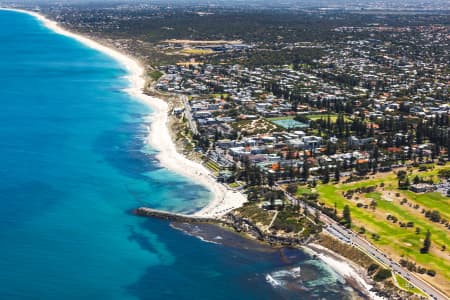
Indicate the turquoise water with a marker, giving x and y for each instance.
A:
(74, 165)
(290, 124)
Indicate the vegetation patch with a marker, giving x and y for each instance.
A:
(346, 251)
(213, 166)
(253, 212)
(289, 221)
(405, 285)
(155, 75)
(382, 275)
(399, 226)
(252, 127)
(192, 51)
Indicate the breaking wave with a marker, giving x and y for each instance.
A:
(283, 278)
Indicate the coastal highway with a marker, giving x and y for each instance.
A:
(355, 240)
(349, 237)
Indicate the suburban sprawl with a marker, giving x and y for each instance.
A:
(335, 123)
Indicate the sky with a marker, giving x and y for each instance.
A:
(352, 4)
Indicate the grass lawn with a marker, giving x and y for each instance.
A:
(333, 117)
(432, 201)
(224, 95)
(389, 182)
(395, 240)
(155, 75)
(405, 285)
(439, 234)
(303, 190)
(234, 185)
(213, 166)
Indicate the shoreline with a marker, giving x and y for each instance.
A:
(223, 199)
(344, 267)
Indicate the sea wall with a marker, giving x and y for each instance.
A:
(176, 217)
(239, 224)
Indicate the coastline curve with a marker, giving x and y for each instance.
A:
(223, 199)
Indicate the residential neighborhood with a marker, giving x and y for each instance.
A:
(330, 123)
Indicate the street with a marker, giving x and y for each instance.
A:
(347, 236)
(188, 115)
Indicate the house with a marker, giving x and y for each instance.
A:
(202, 114)
(422, 188)
(225, 176)
(356, 142)
(311, 142)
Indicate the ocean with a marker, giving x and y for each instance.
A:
(74, 164)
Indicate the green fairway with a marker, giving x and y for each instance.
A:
(396, 240)
(432, 201)
(303, 190)
(439, 234)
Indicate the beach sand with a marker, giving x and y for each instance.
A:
(223, 199)
(351, 272)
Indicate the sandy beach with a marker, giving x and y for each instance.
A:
(223, 199)
(344, 267)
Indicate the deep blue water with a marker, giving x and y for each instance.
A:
(73, 166)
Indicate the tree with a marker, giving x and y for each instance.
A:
(270, 180)
(305, 170)
(346, 216)
(435, 216)
(337, 174)
(403, 184)
(317, 216)
(291, 188)
(401, 174)
(326, 176)
(426, 242)
(373, 204)
(382, 275)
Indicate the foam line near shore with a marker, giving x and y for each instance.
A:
(343, 267)
(159, 137)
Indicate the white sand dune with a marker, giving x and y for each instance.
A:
(224, 199)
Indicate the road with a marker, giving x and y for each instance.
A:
(273, 219)
(347, 236)
(188, 115)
